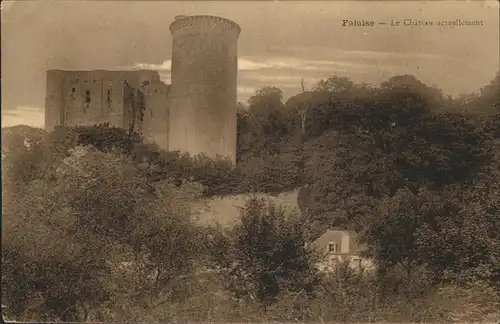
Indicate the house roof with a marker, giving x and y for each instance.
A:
(335, 235)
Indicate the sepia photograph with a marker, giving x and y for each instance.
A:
(250, 161)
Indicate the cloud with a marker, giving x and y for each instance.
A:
(253, 64)
(243, 64)
(248, 65)
(24, 115)
(165, 66)
(377, 54)
(165, 76)
(242, 90)
(336, 54)
(287, 71)
(309, 65)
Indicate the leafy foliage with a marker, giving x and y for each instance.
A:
(21, 150)
(110, 214)
(266, 254)
(414, 172)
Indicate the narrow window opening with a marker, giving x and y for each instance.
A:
(108, 97)
(332, 247)
(87, 101)
(87, 96)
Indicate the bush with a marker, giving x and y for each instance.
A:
(66, 238)
(266, 255)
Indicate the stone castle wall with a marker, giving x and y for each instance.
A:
(156, 115)
(88, 98)
(204, 77)
(82, 98)
(196, 114)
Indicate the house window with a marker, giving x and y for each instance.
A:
(332, 247)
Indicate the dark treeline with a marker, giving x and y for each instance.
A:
(97, 221)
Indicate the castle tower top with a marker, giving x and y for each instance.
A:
(204, 22)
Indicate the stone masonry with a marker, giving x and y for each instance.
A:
(195, 114)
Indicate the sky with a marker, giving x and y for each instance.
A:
(280, 43)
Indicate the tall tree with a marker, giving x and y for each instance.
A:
(266, 254)
(264, 128)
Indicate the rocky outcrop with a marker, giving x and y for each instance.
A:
(224, 211)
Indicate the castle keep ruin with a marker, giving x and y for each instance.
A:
(195, 114)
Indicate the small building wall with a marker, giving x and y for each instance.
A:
(348, 250)
(345, 240)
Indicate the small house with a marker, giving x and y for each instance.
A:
(337, 246)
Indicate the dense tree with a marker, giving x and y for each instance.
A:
(398, 164)
(263, 128)
(490, 95)
(266, 254)
(64, 243)
(335, 84)
(397, 171)
(21, 156)
(306, 111)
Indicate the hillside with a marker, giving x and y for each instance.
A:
(225, 211)
(15, 135)
(418, 183)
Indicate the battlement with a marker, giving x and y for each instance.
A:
(204, 23)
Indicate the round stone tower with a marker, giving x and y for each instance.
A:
(202, 114)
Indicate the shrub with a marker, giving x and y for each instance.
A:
(266, 254)
(66, 238)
